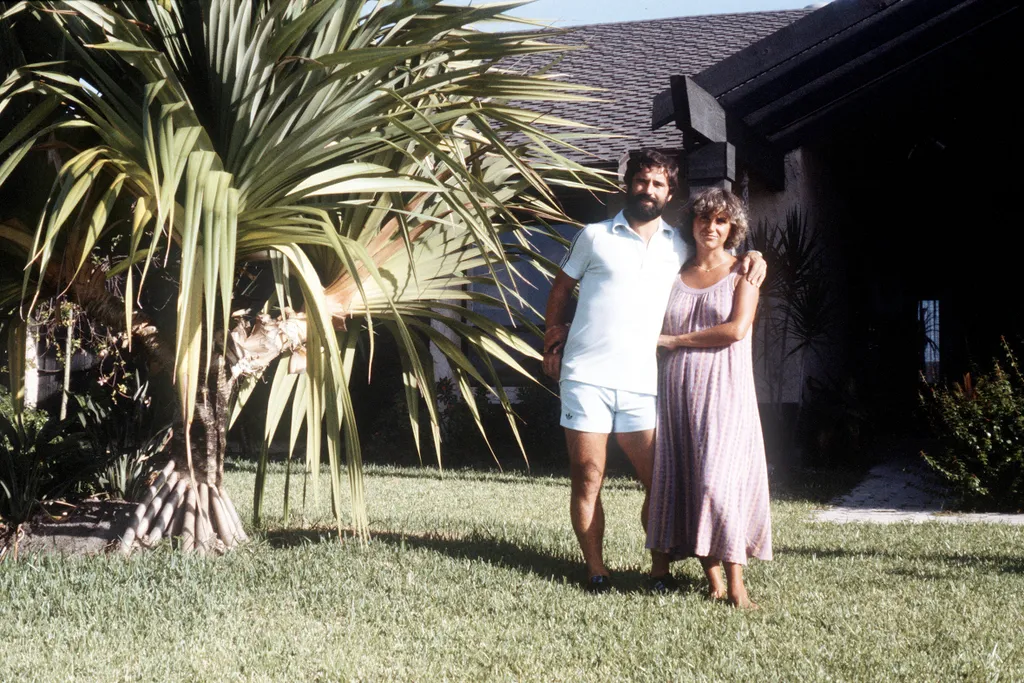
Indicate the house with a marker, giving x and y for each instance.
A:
(889, 122)
(891, 125)
(631, 63)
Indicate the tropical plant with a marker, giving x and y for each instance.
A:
(979, 424)
(302, 174)
(25, 435)
(793, 322)
(794, 316)
(123, 438)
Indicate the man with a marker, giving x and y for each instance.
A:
(606, 362)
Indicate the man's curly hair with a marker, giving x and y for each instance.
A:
(649, 160)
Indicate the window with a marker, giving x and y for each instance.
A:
(928, 323)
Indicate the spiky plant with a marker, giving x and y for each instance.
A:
(795, 316)
(362, 159)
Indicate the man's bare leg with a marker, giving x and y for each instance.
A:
(587, 457)
(639, 448)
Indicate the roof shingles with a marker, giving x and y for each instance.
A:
(632, 61)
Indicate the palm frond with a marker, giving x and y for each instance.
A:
(380, 158)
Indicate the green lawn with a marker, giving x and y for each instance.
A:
(473, 577)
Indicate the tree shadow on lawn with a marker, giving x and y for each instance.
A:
(615, 479)
(499, 553)
(997, 564)
(555, 477)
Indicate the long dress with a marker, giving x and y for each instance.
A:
(710, 487)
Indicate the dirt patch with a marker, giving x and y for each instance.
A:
(89, 528)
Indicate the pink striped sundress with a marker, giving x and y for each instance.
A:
(710, 487)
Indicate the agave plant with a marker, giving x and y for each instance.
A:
(308, 174)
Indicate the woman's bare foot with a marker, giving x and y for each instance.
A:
(716, 587)
(716, 584)
(743, 602)
(737, 589)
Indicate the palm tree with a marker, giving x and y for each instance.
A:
(308, 175)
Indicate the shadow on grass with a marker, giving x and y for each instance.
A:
(549, 476)
(559, 478)
(495, 552)
(997, 564)
(295, 538)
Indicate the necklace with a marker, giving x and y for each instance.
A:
(708, 270)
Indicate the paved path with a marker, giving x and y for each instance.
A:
(902, 490)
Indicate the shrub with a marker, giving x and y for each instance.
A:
(27, 441)
(122, 436)
(980, 427)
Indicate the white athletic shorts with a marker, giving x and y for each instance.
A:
(589, 408)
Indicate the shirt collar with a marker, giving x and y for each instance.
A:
(620, 222)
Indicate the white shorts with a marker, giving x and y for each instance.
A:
(589, 408)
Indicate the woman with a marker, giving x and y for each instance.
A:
(710, 490)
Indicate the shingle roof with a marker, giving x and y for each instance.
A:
(633, 61)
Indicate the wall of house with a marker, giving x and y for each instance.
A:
(783, 369)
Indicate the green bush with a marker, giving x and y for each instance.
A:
(27, 440)
(536, 409)
(980, 427)
(122, 436)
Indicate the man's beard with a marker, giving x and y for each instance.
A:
(643, 207)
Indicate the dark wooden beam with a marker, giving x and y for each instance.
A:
(696, 187)
(711, 162)
(938, 77)
(697, 113)
(892, 25)
(703, 120)
(663, 110)
(842, 85)
(788, 42)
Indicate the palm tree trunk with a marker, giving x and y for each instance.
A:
(187, 501)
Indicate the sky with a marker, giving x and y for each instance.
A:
(574, 12)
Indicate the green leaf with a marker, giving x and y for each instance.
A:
(379, 156)
(372, 186)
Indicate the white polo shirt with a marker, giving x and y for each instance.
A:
(624, 288)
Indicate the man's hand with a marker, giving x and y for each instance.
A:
(668, 341)
(754, 267)
(554, 343)
(553, 364)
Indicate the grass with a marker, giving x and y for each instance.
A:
(474, 577)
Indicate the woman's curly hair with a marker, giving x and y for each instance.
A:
(714, 201)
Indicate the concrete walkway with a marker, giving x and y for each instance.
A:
(902, 490)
